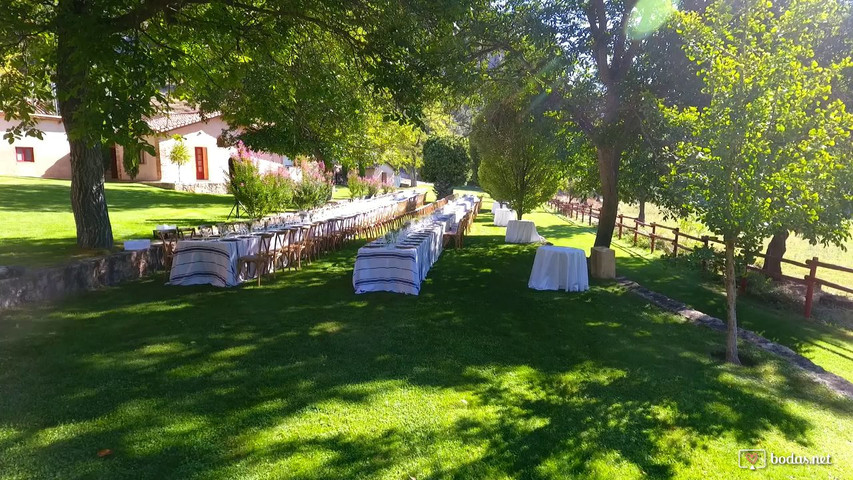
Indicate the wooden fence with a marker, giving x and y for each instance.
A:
(626, 225)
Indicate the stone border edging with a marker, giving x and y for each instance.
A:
(830, 380)
(55, 283)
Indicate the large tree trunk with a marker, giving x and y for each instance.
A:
(608, 169)
(642, 215)
(731, 302)
(414, 172)
(775, 251)
(87, 165)
(87, 197)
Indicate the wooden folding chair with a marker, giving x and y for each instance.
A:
(261, 260)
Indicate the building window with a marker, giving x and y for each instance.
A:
(24, 154)
(142, 157)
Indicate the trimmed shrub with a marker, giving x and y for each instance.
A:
(446, 164)
(315, 189)
(260, 194)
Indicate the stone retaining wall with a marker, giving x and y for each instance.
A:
(54, 283)
(200, 187)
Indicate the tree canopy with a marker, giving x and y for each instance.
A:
(446, 163)
(772, 146)
(296, 71)
(519, 159)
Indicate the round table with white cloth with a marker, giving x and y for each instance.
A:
(521, 231)
(503, 216)
(559, 268)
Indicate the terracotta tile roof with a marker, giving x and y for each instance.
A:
(45, 108)
(173, 120)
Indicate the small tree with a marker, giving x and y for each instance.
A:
(446, 164)
(179, 155)
(773, 140)
(518, 154)
(356, 185)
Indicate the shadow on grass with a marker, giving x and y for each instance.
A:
(303, 374)
(827, 345)
(783, 325)
(40, 252)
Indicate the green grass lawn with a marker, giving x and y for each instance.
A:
(38, 226)
(477, 378)
(828, 345)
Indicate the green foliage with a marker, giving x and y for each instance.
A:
(703, 259)
(130, 159)
(179, 155)
(518, 151)
(260, 194)
(475, 164)
(356, 185)
(771, 148)
(332, 87)
(578, 164)
(446, 164)
(316, 187)
(280, 190)
(372, 185)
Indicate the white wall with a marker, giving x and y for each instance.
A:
(53, 159)
(376, 171)
(204, 134)
(52, 155)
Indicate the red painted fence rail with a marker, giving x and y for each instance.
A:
(631, 226)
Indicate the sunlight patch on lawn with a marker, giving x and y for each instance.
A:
(325, 328)
(234, 352)
(389, 428)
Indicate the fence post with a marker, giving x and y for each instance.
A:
(675, 242)
(652, 236)
(636, 229)
(705, 241)
(810, 283)
(590, 215)
(620, 226)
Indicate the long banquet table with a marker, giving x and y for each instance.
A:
(402, 266)
(214, 261)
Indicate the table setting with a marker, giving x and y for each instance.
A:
(522, 231)
(213, 259)
(559, 268)
(399, 261)
(503, 214)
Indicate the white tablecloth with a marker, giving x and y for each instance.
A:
(559, 268)
(213, 262)
(521, 231)
(401, 268)
(137, 244)
(398, 268)
(503, 216)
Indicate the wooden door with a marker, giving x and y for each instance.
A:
(113, 163)
(200, 163)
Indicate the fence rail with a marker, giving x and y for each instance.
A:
(585, 212)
